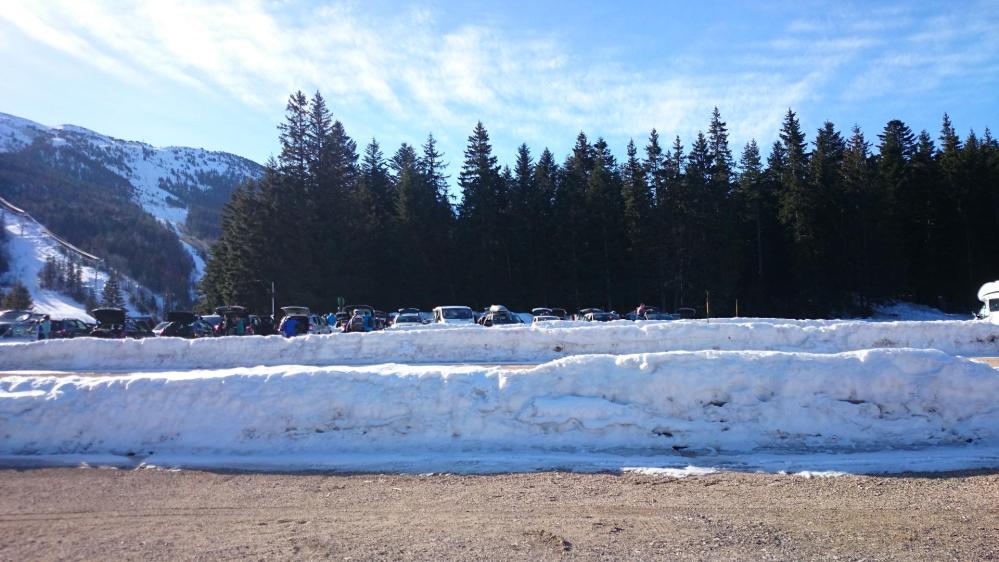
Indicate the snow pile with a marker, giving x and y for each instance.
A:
(508, 344)
(694, 402)
(915, 312)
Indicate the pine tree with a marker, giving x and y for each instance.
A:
(820, 262)
(19, 298)
(749, 201)
(546, 182)
(295, 142)
(479, 216)
(895, 198)
(637, 201)
(603, 238)
(48, 275)
(111, 296)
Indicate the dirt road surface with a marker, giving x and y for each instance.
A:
(102, 514)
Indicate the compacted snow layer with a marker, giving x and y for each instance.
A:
(648, 405)
(514, 344)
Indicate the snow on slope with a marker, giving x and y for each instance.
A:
(517, 344)
(150, 170)
(701, 403)
(29, 245)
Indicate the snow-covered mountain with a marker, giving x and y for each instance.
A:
(167, 182)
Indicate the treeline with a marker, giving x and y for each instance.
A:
(66, 276)
(76, 197)
(814, 228)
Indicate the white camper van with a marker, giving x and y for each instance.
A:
(989, 295)
(459, 315)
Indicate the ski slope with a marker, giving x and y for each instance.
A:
(30, 245)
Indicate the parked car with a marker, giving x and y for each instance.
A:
(541, 311)
(499, 315)
(546, 318)
(144, 322)
(581, 315)
(600, 316)
(261, 325)
(458, 315)
(69, 328)
(179, 324)
(560, 313)
(988, 294)
(212, 321)
(656, 315)
(407, 320)
(305, 320)
(112, 323)
(686, 313)
(19, 324)
(318, 325)
(381, 319)
(341, 319)
(232, 318)
(362, 319)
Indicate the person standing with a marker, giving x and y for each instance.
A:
(46, 327)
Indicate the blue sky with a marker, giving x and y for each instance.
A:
(218, 75)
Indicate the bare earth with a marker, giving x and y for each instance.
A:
(102, 514)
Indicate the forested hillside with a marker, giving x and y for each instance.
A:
(816, 225)
(92, 208)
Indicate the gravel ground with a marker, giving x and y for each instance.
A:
(149, 514)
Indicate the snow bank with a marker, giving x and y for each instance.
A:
(652, 404)
(912, 311)
(507, 344)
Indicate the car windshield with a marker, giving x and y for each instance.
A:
(994, 305)
(11, 314)
(457, 314)
(408, 318)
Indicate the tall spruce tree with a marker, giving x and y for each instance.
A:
(111, 296)
(479, 217)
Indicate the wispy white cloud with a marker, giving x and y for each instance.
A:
(416, 70)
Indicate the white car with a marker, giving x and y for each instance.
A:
(456, 315)
(406, 320)
(546, 318)
(989, 295)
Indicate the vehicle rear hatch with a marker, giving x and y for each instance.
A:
(181, 317)
(107, 316)
(296, 310)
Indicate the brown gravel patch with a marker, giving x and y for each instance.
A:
(157, 514)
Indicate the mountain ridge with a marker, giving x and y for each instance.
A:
(184, 188)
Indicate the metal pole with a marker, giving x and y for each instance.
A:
(272, 301)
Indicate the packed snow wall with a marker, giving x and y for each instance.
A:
(476, 344)
(664, 402)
